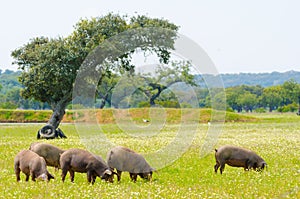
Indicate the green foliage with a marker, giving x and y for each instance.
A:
(272, 97)
(143, 104)
(290, 91)
(260, 110)
(9, 80)
(169, 104)
(243, 97)
(248, 101)
(10, 97)
(8, 105)
(288, 108)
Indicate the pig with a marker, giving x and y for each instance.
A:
(49, 152)
(124, 159)
(238, 157)
(31, 164)
(82, 161)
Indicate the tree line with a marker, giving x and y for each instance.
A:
(283, 98)
(149, 92)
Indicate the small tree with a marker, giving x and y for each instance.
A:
(164, 77)
(272, 97)
(248, 101)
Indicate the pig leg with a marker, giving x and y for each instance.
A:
(94, 179)
(133, 176)
(64, 173)
(27, 177)
(72, 174)
(89, 175)
(119, 175)
(222, 167)
(150, 177)
(217, 165)
(32, 176)
(17, 172)
(248, 165)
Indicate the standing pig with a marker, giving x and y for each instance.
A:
(32, 164)
(50, 153)
(237, 157)
(82, 161)
(124, 159)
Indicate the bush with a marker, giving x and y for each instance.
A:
(288, 108)
(260, 110)
(185, 105)
(168, 104)
(143, 104)
(75, 106)
(8, 105)
(229, 109)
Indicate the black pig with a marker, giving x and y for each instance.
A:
(238, 157)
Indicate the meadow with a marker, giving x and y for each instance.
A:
(275, 137)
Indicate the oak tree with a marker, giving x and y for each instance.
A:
(50, 65)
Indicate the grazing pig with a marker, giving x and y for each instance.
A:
(237, 157)
(32, 164)
(124, 159)
(82, 161)
(50, 153)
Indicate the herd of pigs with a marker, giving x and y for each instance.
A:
(34, 162)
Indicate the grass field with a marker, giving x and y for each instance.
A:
(276, 138)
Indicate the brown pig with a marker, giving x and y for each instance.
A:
(124, 159)
(82, 161)
(31, 164)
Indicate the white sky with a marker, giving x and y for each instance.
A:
(239, 36)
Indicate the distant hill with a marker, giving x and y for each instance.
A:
(252, 79)
(9, 80)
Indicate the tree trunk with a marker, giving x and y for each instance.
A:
(104, 100)
(153, 97)
(58, 113)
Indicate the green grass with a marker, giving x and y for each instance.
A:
(190, 176)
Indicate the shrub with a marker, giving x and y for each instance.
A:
(288, 108)
(8, 105)
(260, 110)
(143, 104)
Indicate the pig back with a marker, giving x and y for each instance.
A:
(124, 159)
(50, 152)
(235, 155)
(29, 160)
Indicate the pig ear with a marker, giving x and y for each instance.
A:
(108, 172)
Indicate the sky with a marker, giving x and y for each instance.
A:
(239, 36)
